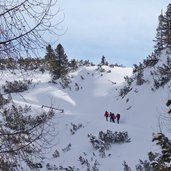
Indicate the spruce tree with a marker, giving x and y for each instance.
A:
(51, 61)
(62, 63)
(57, 62)
(168, 26)
(160, 35)
(163, 35)
(49, 53)
(103, 61)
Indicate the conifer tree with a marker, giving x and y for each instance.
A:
(103, 61)
(167, 26)
(51, 62)
(57, 61)
(61, 63)
(49, 53)
(160, 35)
(163, 35)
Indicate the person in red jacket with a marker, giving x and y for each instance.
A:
(106, 114)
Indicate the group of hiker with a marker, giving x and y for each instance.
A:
(112, 116)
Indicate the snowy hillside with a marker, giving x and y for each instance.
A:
(90, 93)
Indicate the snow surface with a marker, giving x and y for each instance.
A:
(140, 111)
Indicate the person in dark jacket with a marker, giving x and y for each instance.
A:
(112, 117)
(118, 117)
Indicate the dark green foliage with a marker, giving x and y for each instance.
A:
(144, 166)
(67, 148)
(64, 83)
(161, 162)
(75, 128)
(116, 137)
(57, 62)
(104, 141)
(86, 163)
(30, 63)
(163, 74)
(50, 54)
(139, 78)
(56, 154)
(99, 145)
(126, 167)
(151, 60)
(163, 36)
(73, 64)
(17, 86)
(167, 26)
(61, 62)
(103, 61)
(129, 80)
(141, 166)
(22, 63)
(19, 133)
(160, 35)
(124, 91)
(3, 101)
(101, 69)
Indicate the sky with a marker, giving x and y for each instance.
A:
(121, 30)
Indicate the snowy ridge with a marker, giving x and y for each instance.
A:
(140, 111)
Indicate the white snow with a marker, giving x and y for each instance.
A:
(140, 111)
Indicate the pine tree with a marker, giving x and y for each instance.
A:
(167, 26)
(103, 61)
(163, 35)
(50, 55)
(161, 162)
(51, 61)
(160, 35)
(49, 52)
(61, 62)
(57, 61)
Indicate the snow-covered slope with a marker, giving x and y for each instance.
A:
(140, 111)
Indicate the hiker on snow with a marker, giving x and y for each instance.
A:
(106, 114)
(118, 117)
(112, 117)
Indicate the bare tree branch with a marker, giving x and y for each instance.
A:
(23, 25)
